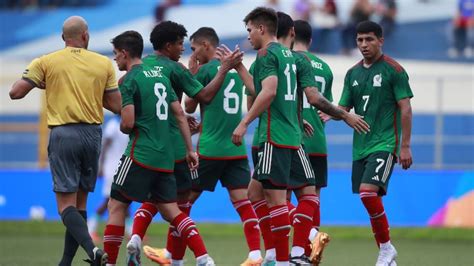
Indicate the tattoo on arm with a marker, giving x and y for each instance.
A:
(329, 108)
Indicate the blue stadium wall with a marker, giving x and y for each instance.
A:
(414, 197)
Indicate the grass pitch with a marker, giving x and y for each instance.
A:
(40, 243)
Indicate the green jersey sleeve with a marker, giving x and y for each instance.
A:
(127, 88)
(183, 79)
(203, 75)
(401, 87)
(346, 97)
(304, 73)
(267, 66)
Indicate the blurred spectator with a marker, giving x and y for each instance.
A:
(302, 10)
(387, 10)
(34, 4)
(162, 7)
(463, 30)
(325, 20)
(360, 11)
(273, 4)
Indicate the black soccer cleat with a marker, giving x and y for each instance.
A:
(300, 261)
(100, 258)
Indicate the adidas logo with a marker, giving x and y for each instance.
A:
(192, 233)
(376, 178)
(296, 220)
(355, 83)
(140, 214)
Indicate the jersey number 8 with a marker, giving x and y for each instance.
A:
(161, 104)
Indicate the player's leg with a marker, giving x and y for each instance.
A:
(374, 181)
(164, 193)
(67, 164)
(302, 180)
(236, 178)
(318, 240)
(273, 172)
(130, 182)
(185, 181)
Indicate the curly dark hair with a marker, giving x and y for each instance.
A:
(167, 32)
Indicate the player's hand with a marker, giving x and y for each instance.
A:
(238, 134)
(229, 60)
(357, 123)
(323, 116)
(308, 128)
(193, 64)
(193, 160)
(192, 122)
(405, 159)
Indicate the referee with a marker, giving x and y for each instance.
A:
(78, 84)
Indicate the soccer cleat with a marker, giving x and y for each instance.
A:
(299, 261)
(393, 263)
(208, 262)
(157, 255)
(387, 255)
(318, 244)
(100, 258)
(250, 262)
(267, 262)
(133, 253)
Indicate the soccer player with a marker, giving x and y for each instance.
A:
(315, 145)
(167, 39)
(78, 84)
(377, 88)
(274, 83)
(113, 146)
(219, 159)
(145, 170)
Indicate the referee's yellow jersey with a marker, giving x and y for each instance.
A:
(76, 80)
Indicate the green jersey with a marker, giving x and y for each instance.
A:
(221, 116)
(374, 93)
(316, 145)
(278, 124)
(149, 91)
(181, 81)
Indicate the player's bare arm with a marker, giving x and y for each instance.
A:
(190, 105)
(112, 101)
(406, 159)
(241, 69)
(316, 99)
(261, 103)
(191, 156)
(21, 88)
(127, 121)
(228, 62)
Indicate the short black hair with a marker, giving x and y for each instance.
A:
(130, 41)
(206, 33)
(265, 16)
(167, 32)
(285, 23)
(368, 27)
(303, 32)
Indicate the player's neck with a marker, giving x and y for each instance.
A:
(300, 47)
(133, 62)
(75, 44)
(267, 39)
(162, 53)
(368, 62)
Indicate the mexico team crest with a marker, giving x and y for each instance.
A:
(377, 80)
